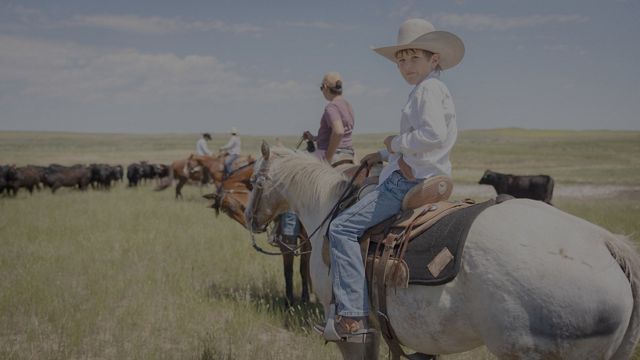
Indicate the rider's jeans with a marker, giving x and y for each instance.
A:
(228, 161)
(347, 268)
(289, 224)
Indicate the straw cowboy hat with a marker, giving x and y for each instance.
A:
(234, 131)
(420, 34)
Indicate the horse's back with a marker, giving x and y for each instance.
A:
(534, 280)
(547, 278)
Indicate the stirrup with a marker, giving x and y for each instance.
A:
(330, 333)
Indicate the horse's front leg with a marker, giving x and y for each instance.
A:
(304, 270)
(179, 186)
(287, 262)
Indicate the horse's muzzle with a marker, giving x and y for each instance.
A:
(255, 228)
(252, 222)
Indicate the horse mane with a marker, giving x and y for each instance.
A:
(303, 174)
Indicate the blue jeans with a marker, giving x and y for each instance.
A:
(289, 224)
(347, 268)
(228, 161)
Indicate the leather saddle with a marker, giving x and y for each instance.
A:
(422, 207)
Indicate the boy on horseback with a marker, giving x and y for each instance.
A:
(428, 131)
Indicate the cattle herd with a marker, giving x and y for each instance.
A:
(55, 176)
(103, 176)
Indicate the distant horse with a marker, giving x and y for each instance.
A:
(534, 283)
(186, 170)
(232, 196)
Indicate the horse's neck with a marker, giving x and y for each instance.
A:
(311, 210)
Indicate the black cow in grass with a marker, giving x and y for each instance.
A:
(102, 175)
(6, 171)
(134, 174)
(537, 187)
(57, 176)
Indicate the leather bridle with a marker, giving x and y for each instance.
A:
(258, 181)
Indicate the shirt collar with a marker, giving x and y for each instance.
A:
(435, 74)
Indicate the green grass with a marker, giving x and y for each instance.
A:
(134, 274)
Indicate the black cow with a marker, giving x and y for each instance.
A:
(537, 187)
(6, 172)
(134, 174)
(102, 175)
(57, 176)
(13, 178)
(148, 171)
(119, 172)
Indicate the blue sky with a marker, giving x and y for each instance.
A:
(190, 66)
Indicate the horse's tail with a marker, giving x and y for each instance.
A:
(626, 254)
(165, 182)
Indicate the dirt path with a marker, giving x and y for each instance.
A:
(567, 191)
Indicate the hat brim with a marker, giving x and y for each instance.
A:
(448, 45)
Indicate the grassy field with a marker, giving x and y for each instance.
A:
(134, 274)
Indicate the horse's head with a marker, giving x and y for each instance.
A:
(266, 201)
(232, 199)
(233, 204)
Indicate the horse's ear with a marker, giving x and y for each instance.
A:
(265, 150)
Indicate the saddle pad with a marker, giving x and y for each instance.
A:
(435, 255)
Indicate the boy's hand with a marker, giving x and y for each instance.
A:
(387, 143)
(405, 169)
(371, 159)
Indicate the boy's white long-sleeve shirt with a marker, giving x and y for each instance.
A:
(428, 131)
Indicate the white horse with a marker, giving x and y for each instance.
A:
(535, 282)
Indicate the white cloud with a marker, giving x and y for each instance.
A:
(81, 74)
(158, 25)
(404, 9)
(317, 25)
(310, 24)
(357, 89)
(563, 48)
(479, 22)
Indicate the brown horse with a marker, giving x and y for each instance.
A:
(189, 169)
(232, 197)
